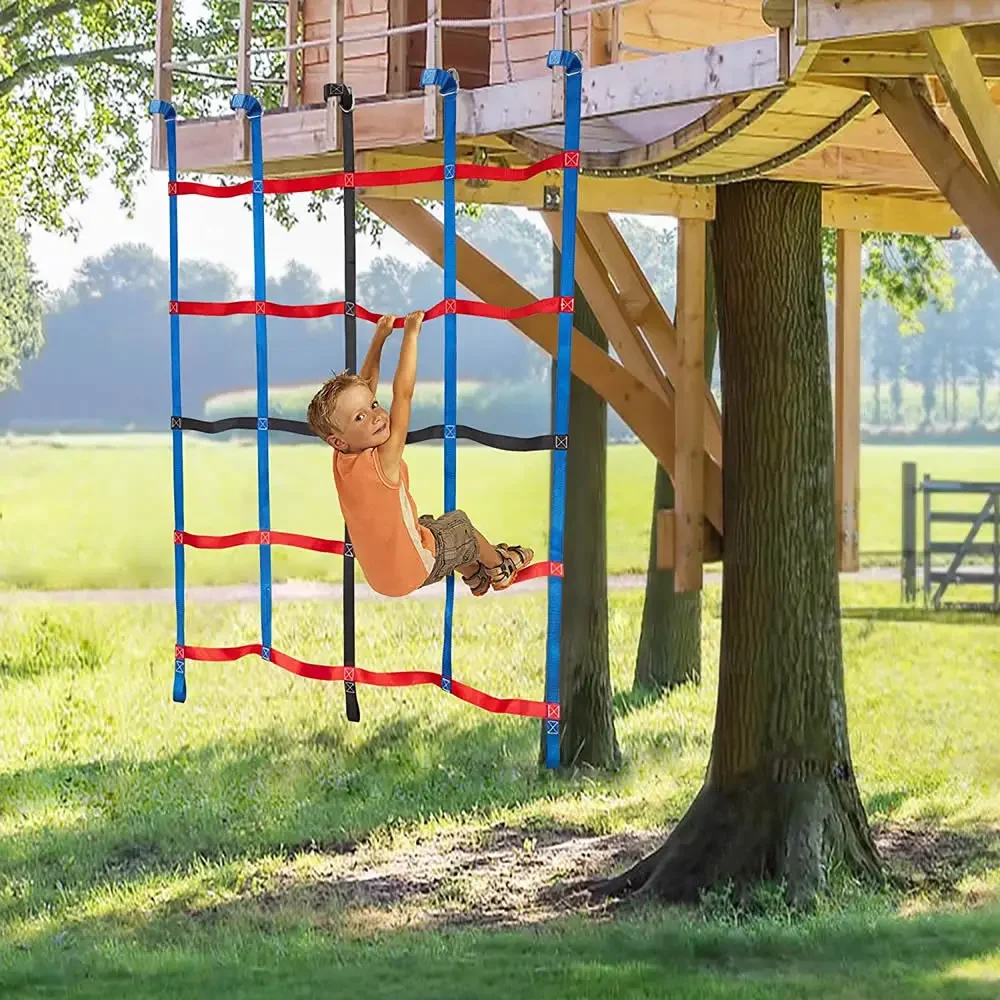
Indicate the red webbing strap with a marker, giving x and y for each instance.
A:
(378, 678)
(464, 307)
(289, 538)
(371, 179)
(538, 569)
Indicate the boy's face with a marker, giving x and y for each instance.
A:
(361, 421)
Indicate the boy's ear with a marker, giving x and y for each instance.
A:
(335, 442)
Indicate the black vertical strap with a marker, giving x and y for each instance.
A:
(346, 101)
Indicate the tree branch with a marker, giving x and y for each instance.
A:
(37, 66)
(12, 13)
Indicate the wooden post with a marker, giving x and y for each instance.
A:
(848, 397)
(291, 97)
(334, 71)
(241, 138)
(689, 546)
(396, 70)
(909, 532)
(432, 61)
(616, 34)
(163, 79)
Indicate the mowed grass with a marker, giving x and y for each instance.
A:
(99, 514)
(155, 850)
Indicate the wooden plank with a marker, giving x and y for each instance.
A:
(843, 210)
(665, 539)
(644, 309)
(658, 81)
(833, 164)
(890, 64)
(829, 20)
(293, 93)
(624, 335)
(943, 159)
(398, 49)
(689, 496)
(650, 417)
(848, 398)
(963, 82)
(984, 40)
(163, 79)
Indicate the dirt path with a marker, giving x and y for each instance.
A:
(305, 590)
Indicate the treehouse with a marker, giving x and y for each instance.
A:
(889, 105)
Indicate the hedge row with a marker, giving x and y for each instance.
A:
(934, 434)
(518, 408)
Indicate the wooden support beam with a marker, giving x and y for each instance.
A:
(665, 539)
(241, 135)
(844, 210)
(657, 81)
(595, 194)
(163, 79)
(689, 549)
(963, 82)
(334, 74)
(650, 417)
(944, 160)
(398, 45)
(628, 342)
(643, 308)
(831, 20)
(848, 398)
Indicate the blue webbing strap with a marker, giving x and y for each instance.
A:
(448, 87)
(165, 108)
(567, 283)
(253, 111)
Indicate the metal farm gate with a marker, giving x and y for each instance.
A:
(947, 563)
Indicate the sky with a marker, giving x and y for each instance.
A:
(217, 230)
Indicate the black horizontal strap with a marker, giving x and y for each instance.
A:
(502, 442)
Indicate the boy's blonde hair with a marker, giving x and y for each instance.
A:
(322, 405)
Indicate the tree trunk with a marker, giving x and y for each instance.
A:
(587, 728)
(780, 799)
(670, 640)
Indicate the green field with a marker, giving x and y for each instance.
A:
(252, 843)
(92, 512)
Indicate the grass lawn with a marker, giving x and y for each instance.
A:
(99, 514)
(252, 843)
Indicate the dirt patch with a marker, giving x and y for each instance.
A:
(512, 876)
(498, 877)
(930, 859)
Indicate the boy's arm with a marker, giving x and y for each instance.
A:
(373, 359)
(403, 384)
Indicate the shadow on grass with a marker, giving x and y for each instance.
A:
(91, 825)
(951, 956)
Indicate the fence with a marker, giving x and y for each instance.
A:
(970, 561)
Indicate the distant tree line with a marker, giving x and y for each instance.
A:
(105, 362)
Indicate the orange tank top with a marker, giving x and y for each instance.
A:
(395, 551)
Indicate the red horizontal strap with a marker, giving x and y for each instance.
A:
(377, 678)
(289, 538)
(465, 307)
(539, 569)
(506, 706)
(219, 654)
(374, 179)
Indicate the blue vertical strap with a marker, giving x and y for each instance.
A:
(570, 61)
(345, 100)
(447, 85)
(249, 104)
(165, 108)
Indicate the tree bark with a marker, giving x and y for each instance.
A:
(669, 651)
(587, 726)
(780, 799)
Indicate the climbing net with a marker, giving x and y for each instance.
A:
(449, 431)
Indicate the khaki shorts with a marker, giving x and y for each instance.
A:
(455, 541)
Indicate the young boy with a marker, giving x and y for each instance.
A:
(398, 551)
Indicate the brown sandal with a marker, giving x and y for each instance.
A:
(513, 558)
(479, 582)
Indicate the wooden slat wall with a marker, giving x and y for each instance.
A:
(529, 43)
(365, 62)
